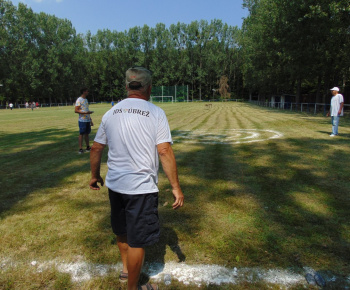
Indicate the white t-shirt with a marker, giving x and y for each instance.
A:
(335, 105)
(132, 129)
(84, 106)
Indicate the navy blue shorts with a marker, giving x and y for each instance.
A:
(84, 128)
(135, 216)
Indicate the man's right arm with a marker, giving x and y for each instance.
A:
(95, 164)
(79, 111)
(167, 158)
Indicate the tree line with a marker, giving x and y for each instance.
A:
(296, 47)
(283, 46)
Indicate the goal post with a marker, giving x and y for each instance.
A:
(179, 93)
(162, 99)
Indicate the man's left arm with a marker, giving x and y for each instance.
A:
(168, 161)
(341, 108)
(95, 164)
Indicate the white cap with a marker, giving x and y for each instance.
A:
(335, 89)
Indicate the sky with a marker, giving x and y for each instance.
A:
(121, 15)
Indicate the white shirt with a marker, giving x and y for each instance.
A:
(132, 129)
(335, 105)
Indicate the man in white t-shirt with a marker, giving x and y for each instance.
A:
(336, 110)
(137, 134)
(85, 121)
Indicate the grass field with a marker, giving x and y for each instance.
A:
(263, 188)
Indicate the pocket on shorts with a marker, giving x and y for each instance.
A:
(152, 218)
(152, 223)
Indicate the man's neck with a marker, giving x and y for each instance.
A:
(136, 96)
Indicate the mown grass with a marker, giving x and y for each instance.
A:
(278, 203)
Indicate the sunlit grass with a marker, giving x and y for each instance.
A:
(281, 203)
(313, 202)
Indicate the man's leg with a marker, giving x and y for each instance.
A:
(123, 249)
(86, 137)
(81, 133)
(132, 259)
(135, 262)
(335, 122)
(336, 125)
(80, 141)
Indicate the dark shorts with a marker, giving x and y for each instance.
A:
(135, 216)
(84, 128)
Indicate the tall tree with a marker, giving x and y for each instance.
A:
(289, 45)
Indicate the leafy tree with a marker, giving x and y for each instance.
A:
(294, 46)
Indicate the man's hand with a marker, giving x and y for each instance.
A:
(95, 162)
(179, 198)
(327, 114)
(93, 183)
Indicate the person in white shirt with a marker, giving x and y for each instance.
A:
(85, 121)
(138, 135)
(336, 110)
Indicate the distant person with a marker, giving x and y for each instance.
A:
(136, 132)
(336, 110)
(11, 106)
(37, 105)
(85, 121)
(27, 105)
(112, 103)
(33, 105)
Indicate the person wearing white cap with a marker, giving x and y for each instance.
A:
(336, 109)
(136, 132)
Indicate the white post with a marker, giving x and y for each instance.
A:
(175, 93)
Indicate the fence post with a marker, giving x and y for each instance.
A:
(187, 93)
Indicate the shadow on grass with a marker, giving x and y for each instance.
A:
(300, 189)
(37, 160)
(341, 135)
(154, 258)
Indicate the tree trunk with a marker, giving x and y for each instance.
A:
(297, 99)
(318, 92)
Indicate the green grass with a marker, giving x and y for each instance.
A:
(278, 203)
